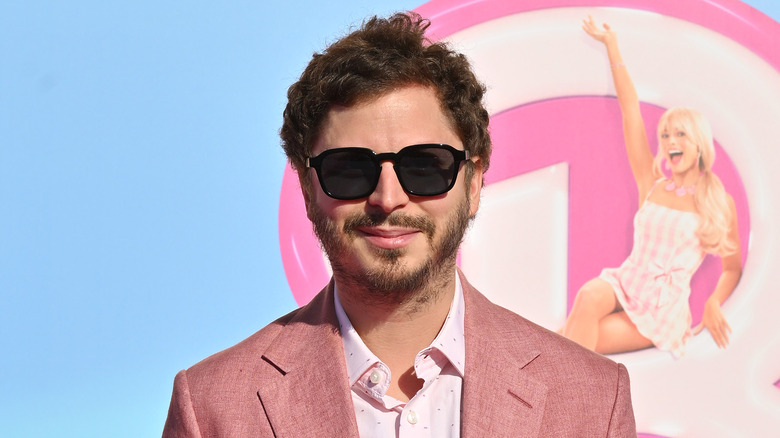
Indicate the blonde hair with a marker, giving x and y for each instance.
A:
(710, 197)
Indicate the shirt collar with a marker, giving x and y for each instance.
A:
(450, 340)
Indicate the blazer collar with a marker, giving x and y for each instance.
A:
(498, 396)
(306, 393)
(305, 390)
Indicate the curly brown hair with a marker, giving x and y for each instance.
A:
(384, 54)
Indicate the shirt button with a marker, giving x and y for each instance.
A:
(375, 377)
(411, 417)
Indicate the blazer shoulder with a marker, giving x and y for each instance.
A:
(246, 353)
(558, 352)
(491, 324)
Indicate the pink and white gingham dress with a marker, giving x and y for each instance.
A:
(653, 284)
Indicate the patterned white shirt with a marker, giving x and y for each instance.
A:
(435, 409)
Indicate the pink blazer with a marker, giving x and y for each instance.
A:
(289, 380)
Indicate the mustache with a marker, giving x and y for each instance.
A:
(396, 219)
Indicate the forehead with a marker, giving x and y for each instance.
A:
(398, 118)
(673, 124)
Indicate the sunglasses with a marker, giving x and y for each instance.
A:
(422, 170)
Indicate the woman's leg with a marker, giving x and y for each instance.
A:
(617, 334)
(595, 300)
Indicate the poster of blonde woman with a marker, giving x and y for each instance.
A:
(682, 216)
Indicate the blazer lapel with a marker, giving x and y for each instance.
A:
(499, 398)
(305, 391)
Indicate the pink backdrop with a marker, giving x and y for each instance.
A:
(584, 131)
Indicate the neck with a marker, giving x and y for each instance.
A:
(686, 179)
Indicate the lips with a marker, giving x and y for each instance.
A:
(388, 238)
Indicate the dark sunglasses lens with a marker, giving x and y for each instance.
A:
(427, 171)
(348, 174)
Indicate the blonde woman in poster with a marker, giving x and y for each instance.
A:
(681, 217)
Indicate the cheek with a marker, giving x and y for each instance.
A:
(435, 210)
(441, 211)
(338, 212)
(690, 147)
(331, 208)
(325, 206)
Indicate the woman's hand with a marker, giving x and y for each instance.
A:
(714, 321)
(604, 34)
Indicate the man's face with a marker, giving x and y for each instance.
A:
(390, 241)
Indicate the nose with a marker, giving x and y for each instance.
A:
(388, 194)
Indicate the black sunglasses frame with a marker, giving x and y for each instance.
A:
(458, 156)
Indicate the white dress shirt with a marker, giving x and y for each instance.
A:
(435, 409)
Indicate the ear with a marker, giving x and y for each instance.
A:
(475, 186)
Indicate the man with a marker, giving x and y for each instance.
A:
(389, 137)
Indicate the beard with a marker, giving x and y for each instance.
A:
(391, 282)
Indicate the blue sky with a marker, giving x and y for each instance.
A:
(140, 172)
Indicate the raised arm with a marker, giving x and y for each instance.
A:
(634, 134)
